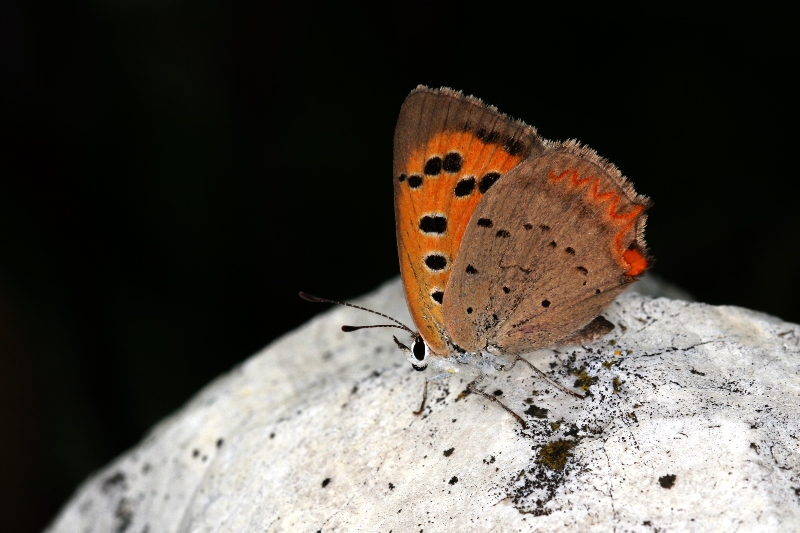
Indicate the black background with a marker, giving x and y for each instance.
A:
(173, 172)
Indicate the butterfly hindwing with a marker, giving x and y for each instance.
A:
(546, 250)
(449, 150)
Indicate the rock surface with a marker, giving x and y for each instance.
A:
(692, 424)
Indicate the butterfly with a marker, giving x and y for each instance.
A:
(507, 242)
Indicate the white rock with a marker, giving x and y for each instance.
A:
(692, 425)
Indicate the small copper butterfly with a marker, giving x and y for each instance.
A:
(508, 242)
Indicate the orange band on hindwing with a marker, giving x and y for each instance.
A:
(631, 259)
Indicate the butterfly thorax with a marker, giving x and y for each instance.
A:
(456, 361)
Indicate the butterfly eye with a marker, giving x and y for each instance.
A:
(419, 349)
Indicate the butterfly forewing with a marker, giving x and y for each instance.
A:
(545, 251)
(449, 151)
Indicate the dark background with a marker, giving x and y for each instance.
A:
(173, 172)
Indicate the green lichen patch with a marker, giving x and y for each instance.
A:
(584, 380)
(555, 454)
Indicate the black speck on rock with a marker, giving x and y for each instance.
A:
(536, 412)
(115, 480)
(667, 481)
(123, 516)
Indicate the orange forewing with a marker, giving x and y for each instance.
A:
(437, 196)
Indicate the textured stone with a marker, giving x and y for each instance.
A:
(692, 424)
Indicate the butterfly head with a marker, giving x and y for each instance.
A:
(419, 353)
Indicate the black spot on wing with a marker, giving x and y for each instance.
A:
(433, 167)
(502, 234)
(471, 270)
(465, 186)
(487, 181)
(488, 136)
(433, 224)
(415, 182)
(436, 262)
(485, 222)
(452, 162)
(514, 146)
(438, 296)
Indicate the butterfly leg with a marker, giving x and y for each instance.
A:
(472, 387)
(424, 399)
(544, 376)
(443, 375)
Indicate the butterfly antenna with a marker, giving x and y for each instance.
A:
(311, 298)
(348, 329)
